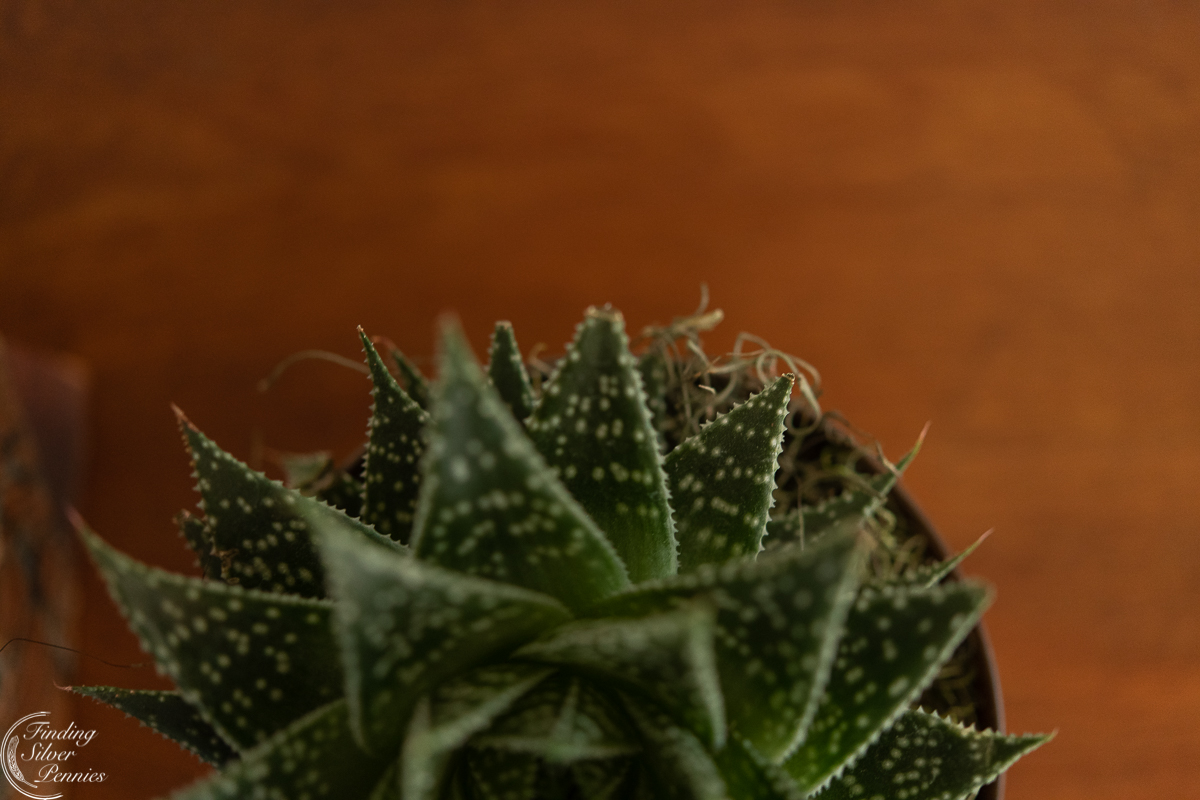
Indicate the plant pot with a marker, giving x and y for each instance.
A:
(976, 649)
(821, 459)
(984, 687)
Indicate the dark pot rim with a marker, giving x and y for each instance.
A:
(990, 706)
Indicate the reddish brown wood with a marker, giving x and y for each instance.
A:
(42, 419)
(986, 215)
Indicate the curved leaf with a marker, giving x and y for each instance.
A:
(778, 623)
(594, 430)
(894, 642)
(565, 719)
(680, 768)
(404, 625)
(925, 757)
(490, 506)
(669, 655)
(722, 479)
(314, 757)
(392, 475)
(507, 371)
(456, 710)
(252, 662)
(169, 715)
(258, 527)
(845, 514)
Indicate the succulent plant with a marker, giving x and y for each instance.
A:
(557, 581)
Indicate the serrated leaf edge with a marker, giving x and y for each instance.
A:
(943, 655)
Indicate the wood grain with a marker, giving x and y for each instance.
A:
(984, 215)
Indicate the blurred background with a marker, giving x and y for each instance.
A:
(984, 215)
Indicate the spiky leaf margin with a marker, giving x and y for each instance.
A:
(593, 411)
(391, 477)
(167, 714)
(507, 372)
(779, 620)
(250, 661)
(489, 505)
(895, 640)
(314, 757)
(722, 479)
(259, 527)
(404, 625)
(925, 757)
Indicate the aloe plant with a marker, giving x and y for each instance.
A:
(557, 585)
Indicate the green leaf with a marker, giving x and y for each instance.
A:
(778, 623)
(679, 767)
(928, 575)
(604, 779)
(392, 476)
(845, 513)
(258, 527)
(925, 757)
(502, 774)
(454, 712)
(458, 780)
(318, 475)
(895, 640)
(414, 382)
(252, 662)
(344, 493)
(652, 366)
(722, 479)
(168, 714)
(403, 626)
(507, 371)
(749, 776)
(315, 757)
(490, 506)
(565, 719)
(388, 786)
(196, 534)
(785, 530)
(594, 431)
(305, 471)
(669, 655)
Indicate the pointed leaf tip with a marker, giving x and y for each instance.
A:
(779, 621)
(257, 526)
(274, 653)
(169, 715)
(722, 480)
(507, 371)
(490, 506)
(932, 574)
(391, 478)
(595, 431)
(930, 758)
(896, 638)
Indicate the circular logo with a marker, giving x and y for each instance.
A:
(37, 758)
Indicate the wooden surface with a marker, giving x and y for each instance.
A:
(42, 425)
(984, 215)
